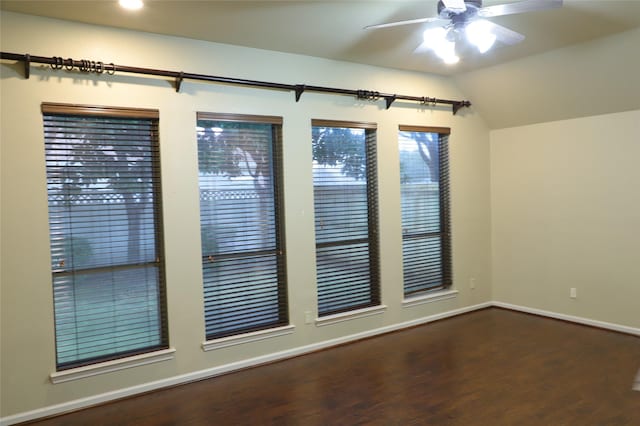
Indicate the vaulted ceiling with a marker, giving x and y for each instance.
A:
(334, 29)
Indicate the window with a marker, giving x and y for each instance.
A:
(241, 221)
(424, 184)
(346, 214)
(103, 183)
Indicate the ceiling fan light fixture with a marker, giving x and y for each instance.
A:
(480, 34)
(436, 39)
(446, 50)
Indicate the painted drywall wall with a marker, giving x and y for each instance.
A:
(583, 80)
(566, 214)
(28, 353)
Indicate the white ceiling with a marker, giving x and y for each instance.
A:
(334, 29)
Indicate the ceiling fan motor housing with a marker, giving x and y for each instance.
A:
(472, 10)
(459, 19)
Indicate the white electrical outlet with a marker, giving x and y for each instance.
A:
(472, 283)
(573, 293)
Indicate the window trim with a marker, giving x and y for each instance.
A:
(424, 129)
(252, 336)
(110, 366)
(240, 118)
(315, 122)
(350, 315)
(95, 110)
(429, 296)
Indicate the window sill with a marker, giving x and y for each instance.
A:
(240, 339)
(429, 298)
(351, 315)
(110, 366)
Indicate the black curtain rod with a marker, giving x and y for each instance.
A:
(98, 67)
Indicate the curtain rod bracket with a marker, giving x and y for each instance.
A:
(299, 91)
(27, 66)
(389, 100)
(457, 105)
(179, 80)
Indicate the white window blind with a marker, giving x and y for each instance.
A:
(424, 184)
(103, 182)
(345, 204)
(241, 223)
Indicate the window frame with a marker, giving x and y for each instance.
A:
(444, 194)
(279, 250)
(50, 109)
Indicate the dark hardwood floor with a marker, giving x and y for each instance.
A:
(490, 367)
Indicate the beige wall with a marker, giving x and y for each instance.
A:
(566, 213)
(28, 354)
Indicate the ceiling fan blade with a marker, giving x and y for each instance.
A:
(409, 22)
(519, 7)
(504, 34)
(456, 6)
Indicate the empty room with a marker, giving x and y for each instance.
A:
(385, 212)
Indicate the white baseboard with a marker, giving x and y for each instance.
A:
(570, 318)
(227, 368)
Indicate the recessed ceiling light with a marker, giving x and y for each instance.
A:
(131, 4)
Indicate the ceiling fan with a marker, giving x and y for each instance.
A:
(458, 18)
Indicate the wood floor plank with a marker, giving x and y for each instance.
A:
(490, 367)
